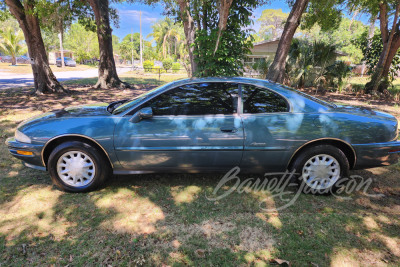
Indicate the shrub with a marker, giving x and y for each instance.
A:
(167, 63)
(176, 67)
(337, 74)
(262, 67)
(148, 65)
(157, 68)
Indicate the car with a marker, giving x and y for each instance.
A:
(208, 125)
(69, 62)
(23, 60)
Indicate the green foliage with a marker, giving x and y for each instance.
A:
(313, 64)
(372, 50)
(169, 38)
(327, 14)
(115, 44)
(11, 43)
(50, 39)
(262, 66)
(82, 42)
(4, 13)
(342, 37)
(167, 63)
(158, 69)
(148, 65)
(338, 74)
(235, 41)
(130, 43)
(176, 66)
(272, 23)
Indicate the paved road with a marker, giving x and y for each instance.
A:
(9, 80)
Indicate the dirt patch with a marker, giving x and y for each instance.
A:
(253, 239)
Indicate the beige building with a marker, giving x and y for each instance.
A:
(262, 50)
(267, 50)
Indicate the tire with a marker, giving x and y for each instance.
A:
(321, 169)
(76, 166)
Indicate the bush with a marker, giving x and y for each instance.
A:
(176, 67)
(262, 67)
(157, 68)
(148, 65)
(337, 74)
(167, 63)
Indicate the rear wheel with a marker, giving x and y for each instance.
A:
(77, 167)
(320, 169)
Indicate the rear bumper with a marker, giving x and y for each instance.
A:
(32, 161)
(377, 154)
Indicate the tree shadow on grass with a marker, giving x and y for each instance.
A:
(166, 219)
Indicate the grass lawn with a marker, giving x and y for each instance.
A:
(358, 84)
(166, 219)
(27, 69)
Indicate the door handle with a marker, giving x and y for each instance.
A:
(228, 129)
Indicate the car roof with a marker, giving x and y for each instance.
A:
(300, 102)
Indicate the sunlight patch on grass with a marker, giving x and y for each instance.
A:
(379, 170)
(392, 243)
(370, 223)
(185, 195)
(354, 257)
(31, 213)
(134, 215)
(271, 218)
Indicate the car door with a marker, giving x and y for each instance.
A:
(195, 127)
(270, 130)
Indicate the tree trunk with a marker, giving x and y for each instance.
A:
(13, 60)
(371, 32)
(44, 79)
(188, 27)
(224, 7)
(276, 71)
(108, 76)
(382, 87)
(389, 43)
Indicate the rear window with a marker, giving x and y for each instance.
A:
(319, 101)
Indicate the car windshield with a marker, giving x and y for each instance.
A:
(130, 104)
(319, 101)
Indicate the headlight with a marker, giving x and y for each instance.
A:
(20, 137)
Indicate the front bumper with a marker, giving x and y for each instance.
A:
(32, 161)
(377, 154)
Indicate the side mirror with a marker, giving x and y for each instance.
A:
(143, 114)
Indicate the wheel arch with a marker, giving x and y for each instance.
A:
(346, 148)
(55, 141)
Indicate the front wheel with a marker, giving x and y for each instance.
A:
(77, 167)
(320, 169)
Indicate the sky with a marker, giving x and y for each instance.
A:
(129, 17)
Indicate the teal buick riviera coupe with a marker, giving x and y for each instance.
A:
(207, 125)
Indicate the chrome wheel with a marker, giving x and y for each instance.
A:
(76, 168)
(321, 172)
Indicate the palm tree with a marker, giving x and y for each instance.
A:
(168, 36)
(308, 62)
(11, 43)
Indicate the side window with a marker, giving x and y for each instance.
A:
(197, 99)
(261, 100)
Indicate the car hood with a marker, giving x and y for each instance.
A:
(364, 111)
(91, 110)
